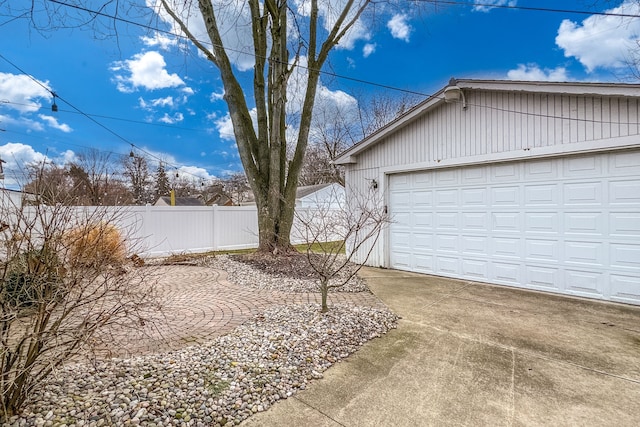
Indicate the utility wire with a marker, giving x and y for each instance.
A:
(166, 125)
(335, 75)
(114, 133)
(528, 8)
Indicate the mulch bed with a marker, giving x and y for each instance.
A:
(293, 265)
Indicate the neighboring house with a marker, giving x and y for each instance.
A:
(322, 195)
(180, 201)
(527, 184)
(330, 195)
(14, 198)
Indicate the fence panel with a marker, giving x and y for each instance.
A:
(164, 230)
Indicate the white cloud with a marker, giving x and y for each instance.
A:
(146, 70)
(194, 172)
(217, 96)
(399, 27)
(234, 23)
(532, 72)
(17, 156)
(176, 118)
(160, 40)
(167, 101)
(486, 4)
(225, 128)
(19, 92)
(53, 122)
(368, 49)
(601, 41)
(21, 122)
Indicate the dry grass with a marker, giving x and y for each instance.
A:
(95, 244)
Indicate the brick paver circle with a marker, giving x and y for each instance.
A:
(199, 304)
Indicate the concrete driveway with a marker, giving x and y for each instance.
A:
(473, 354)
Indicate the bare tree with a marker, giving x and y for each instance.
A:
(336, 235)
(96, 180)
(263, 148)
(136, 170)
(287, 43)
(336, 128)
(237, 188)
(63, 281)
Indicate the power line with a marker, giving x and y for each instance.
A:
(3, 101)
(362, 81)
(55, 95)
(529, 8)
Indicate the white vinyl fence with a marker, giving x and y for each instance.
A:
(163, 230)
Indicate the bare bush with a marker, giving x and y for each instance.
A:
(64, 282)
(336, 233)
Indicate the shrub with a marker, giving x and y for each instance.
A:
(95, 244)
(31, 276)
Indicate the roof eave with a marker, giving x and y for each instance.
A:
(349, 156)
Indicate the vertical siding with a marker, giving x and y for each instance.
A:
(497, 122)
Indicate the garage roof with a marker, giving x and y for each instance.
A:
(569, 88)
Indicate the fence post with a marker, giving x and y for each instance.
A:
(216, 228)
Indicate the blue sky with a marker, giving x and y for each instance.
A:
(148, 90)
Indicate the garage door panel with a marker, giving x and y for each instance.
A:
(401, 260)
(475, 221)
(474, 245)
(422, 199)
(541, 170)
(542, 250)
(542, 277)
(422, 179)
(625, 164)
(474, 197)
(448, 265)
(474, 175)
(584, 223)
(447, 243)
(507, 247)
(506, 222)
(583, 166)
(400, 200)
(446, 198)
(541, 195)
(586, 283)
(569, 225)
(586, 253)
(447, 177)
(582, 194)
(625, 288)
(625, 256)
(624, 224)
(424, 263)
(624, 193)
(542, 222)
(475, 269)
(505, 172)
(423, 241)
(400, 181)
(446, 221)
(505, 196)
(507, 273)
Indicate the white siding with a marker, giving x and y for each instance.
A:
(502, 122)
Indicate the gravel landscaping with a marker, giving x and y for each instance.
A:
(293, 275)
(218, 383)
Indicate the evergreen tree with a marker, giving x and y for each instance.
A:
(162, 186)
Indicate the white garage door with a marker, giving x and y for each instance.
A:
(569, 225)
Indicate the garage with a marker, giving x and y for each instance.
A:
(569, 225)
(533, 185)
